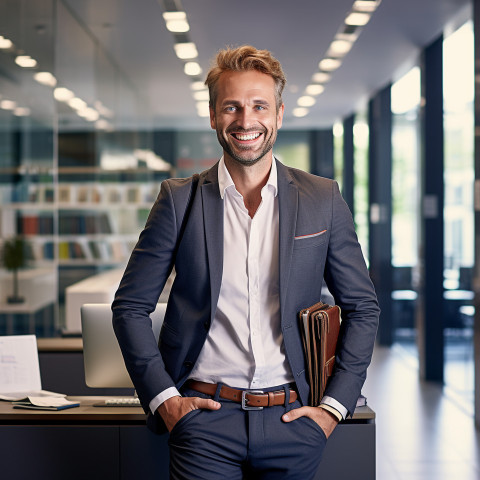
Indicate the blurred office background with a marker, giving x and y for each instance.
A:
(100, 100)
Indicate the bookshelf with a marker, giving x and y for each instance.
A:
(76, 223)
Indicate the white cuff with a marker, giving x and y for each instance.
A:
(336, 405)
(162, 397)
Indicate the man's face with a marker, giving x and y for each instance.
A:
(245, 116)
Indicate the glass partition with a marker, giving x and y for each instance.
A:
(458, 78)
(360, 168)
(78, 173)
(405, 200)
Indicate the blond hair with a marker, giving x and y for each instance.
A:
(243, 59)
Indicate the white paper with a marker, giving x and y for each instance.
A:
(50, 401)
(19, 368)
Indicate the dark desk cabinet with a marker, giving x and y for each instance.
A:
(113, 443)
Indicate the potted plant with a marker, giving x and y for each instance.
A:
(13, 258)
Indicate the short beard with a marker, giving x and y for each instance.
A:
(243, 161)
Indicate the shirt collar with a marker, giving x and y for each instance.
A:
(225, 180)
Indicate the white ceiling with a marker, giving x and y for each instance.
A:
(133, 33)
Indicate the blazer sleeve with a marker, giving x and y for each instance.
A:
(146, 273)
(347, 278)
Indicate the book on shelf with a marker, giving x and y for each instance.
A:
(64, 194)
(84, 223)
(35, 224)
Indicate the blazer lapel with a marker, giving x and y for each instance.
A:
(213, 221)
(287, 211)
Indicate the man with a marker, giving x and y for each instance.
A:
(258, 242)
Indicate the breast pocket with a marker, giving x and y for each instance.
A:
(310, 240)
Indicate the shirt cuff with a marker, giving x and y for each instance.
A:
(162, 397)
(335, 407)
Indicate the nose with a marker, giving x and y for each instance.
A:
(245, 118)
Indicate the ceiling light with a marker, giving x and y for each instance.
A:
(5, 43)
(63, 94)
(89, 114)
(8, 105)
(77, 103)
(25, 61)
(167, 16)
(321, 77)
(21, 112)
(306, 101)
(197, 85)
(201, 95)
(203, 109)
(192, 68)
(186, 50)
(357, 19)
(314, 89)
(45, 78)
(300, 112)
(365, 5)
(339, 48)
(329, 64)
(176, 22)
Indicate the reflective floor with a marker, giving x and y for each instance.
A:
(423, 432)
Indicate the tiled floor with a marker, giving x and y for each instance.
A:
(422, 434)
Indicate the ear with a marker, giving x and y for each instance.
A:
(213, 122)
(280, 115)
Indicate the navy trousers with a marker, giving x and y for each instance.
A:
(234, 444)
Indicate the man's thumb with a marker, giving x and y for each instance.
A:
(208, 404)
(292, 415)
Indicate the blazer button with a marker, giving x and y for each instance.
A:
(206, 324)
(188, 364)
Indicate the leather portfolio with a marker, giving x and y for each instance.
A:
(320, 327)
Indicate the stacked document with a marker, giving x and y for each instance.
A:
(45, 403)
(20, 370)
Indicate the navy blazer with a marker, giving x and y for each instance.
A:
(317, 242)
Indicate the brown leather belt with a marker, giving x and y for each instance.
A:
(250, 399)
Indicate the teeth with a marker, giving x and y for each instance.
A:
(250, 136)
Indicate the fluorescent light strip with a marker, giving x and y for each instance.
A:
(192, 69)
(368, 6)
(177, 23)
(5, 43)
(25, 61)
(186, 51)
(357, 17)
(45, 78)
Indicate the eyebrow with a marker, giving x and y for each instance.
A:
(237, 103)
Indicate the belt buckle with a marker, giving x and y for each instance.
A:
(245, 405)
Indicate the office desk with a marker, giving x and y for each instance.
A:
(90, 442)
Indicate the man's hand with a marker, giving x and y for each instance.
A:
(173, 409)
(325, 420)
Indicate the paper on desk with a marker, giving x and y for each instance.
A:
(50, 401)
(19, 396)
(19, 369)
(45, 403)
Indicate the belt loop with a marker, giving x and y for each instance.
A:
(217, 391)
(286, 389)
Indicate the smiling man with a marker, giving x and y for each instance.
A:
(227, 378)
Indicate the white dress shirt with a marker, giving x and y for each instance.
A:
(244, 346)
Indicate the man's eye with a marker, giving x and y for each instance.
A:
(260, 107)
(230, 109)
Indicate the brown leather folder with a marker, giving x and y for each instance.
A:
(320, 327)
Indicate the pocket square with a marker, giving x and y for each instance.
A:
(310, 235)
